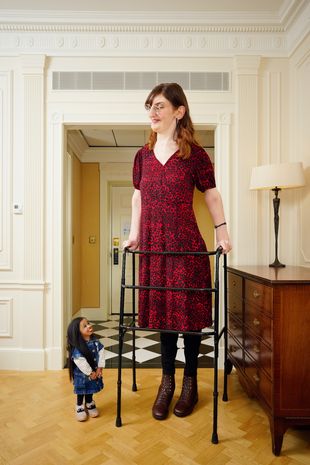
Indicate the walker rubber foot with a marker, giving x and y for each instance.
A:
(225, 397)
(134, 387)
(118, 422)
(215, 439)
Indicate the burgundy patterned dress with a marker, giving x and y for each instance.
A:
(168, 223)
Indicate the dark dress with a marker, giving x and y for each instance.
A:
(168, 223)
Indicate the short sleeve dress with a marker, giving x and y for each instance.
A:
(168, 223)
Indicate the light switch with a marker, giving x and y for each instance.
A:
(17, 208)
(92, 239)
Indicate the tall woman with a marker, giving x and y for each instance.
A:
(165, 173)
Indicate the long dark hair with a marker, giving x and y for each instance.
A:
(185, 133)
(75, 340)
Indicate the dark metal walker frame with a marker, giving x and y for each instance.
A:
(216, 332)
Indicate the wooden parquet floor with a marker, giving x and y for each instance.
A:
(38, 427)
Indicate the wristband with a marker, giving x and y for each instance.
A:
(218, 225)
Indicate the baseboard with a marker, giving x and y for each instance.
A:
(22, 359)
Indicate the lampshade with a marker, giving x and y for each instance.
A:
(281, 175)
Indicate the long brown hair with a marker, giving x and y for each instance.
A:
(184, 133)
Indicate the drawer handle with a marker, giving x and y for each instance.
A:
(256, 322)
(256, 294)
(234, 283)
(256, 349)
(256, 378)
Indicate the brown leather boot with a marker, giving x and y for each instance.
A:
(188, 398)
(160, 408)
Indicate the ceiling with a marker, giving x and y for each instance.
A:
(126, 137)
(91, 140)
(273, 6)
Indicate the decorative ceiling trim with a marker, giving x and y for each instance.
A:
(139, 33)
(139, 28)
(152, 21)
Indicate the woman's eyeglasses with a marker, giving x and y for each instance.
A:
(157, 108)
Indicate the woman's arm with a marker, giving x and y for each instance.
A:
(214, 203)
(134, 235)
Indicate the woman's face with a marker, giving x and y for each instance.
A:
(163, 115)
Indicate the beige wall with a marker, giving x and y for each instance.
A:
(205, 222)
(90, 252)
(85, 224)
(76, 234)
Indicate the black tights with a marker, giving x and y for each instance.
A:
(80, 398)
(169, 351)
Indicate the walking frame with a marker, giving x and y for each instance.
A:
(215, 332)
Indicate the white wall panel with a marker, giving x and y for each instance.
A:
(5, 171)
(33, 84)
(302, 149)
(245, 202)
(6, 317)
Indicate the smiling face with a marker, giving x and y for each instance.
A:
(163, 115)
(86, 329)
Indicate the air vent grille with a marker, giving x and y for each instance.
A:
(87, 80)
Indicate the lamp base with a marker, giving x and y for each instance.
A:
(277, 264)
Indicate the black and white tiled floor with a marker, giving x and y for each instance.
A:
(147, 347)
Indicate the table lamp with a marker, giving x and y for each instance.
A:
(277, 177)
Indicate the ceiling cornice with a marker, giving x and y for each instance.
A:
(139, 28)
(151, 21)
(199, 33)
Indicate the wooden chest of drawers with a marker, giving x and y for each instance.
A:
(268, 341)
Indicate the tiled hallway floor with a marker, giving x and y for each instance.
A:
(147, 347)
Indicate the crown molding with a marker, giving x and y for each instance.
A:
(150, 21)
(186, 44)
(141, 28)
(148, 33)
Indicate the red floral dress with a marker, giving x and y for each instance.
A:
(168, 223)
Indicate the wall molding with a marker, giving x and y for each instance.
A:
(24, 285)
(176, 41)
(5, 170)
(6, 317)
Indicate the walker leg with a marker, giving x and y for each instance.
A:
(214, 438)
(134, 380)
(227, 363)
(225, 396)
(118, 421)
